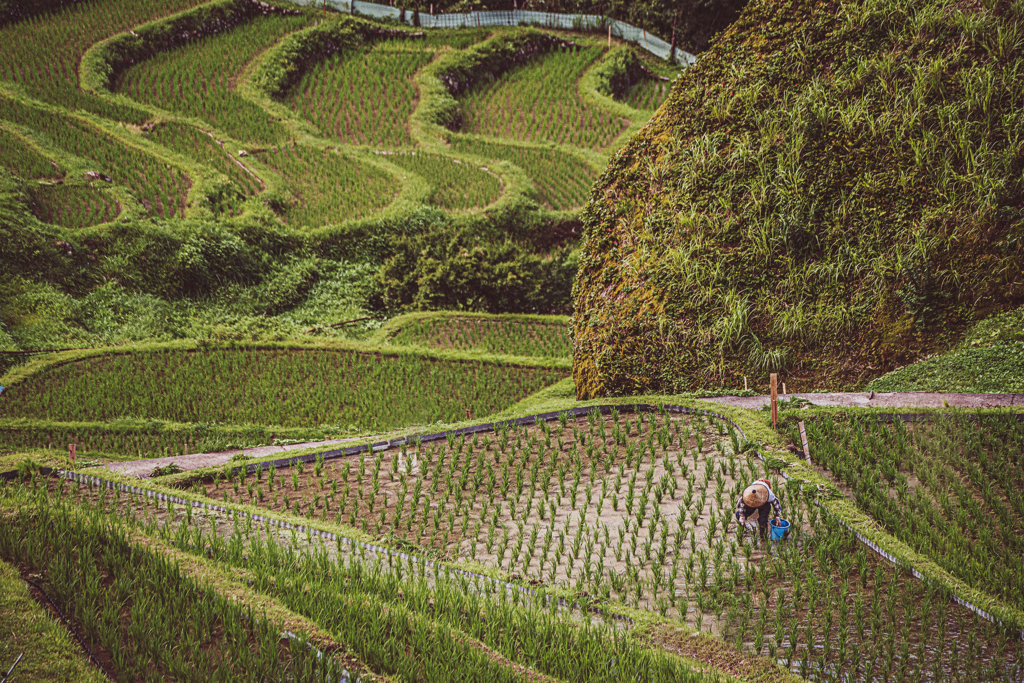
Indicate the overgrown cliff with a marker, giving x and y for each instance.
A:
(833, 190)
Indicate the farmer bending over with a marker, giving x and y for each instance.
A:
(757, 497)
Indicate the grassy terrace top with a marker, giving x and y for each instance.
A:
(833, 190)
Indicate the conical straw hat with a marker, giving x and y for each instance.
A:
(755, 495)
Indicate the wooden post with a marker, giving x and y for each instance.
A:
(784, 392)
(803, 439)
(774, 382)
(744, 383)
(609, 34)
(71, 453)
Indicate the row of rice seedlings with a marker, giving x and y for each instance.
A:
(101, 442)
(362, 98)
(23, 161)
(458, 39)
(274, 387)
(832, 610)
(540, 102)
(493, 335)
(134, 604)
(191, 142)
(162, 189)
(398, 614)
(455, 184)
(647, 95)
(198, 78)
(72, 206)
(951, 489)
(562, 180)
(330, 187)
(583, 503)
(41, 53)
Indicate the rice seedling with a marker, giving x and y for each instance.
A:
(507, 336)
(363, 98)
(536, 103)
(455, 184)
(41, 53)
(562, 180)
(72, 206)
(160, 188)
(197, 79)
(275, 387)
(18, 158)
(329, 187)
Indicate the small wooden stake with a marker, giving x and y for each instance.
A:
(609, 35)
(744, 383)
(774, 382)
(71, 453)
(803, 439)
(784, 392)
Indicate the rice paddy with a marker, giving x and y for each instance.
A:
(508, 336)
(329, 187)
(41, 54)
(204, 148)
(647, 95)
(455, 184)
(161, 188)
(285, 387)
(72, 206)
(540, 102)
(562, 180)
(198, 78)
(363, 98)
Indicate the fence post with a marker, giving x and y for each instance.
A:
(774, 383)
(803, 440)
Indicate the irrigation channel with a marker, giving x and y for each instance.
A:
(762, 596)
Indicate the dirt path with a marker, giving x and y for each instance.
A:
(868, 399)
(143, 468)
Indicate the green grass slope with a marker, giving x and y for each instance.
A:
(834, 190)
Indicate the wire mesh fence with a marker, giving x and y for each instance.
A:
(574, 22)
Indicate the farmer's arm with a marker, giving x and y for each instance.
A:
(740, 510)
(777, 507)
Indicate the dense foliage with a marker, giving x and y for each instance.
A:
(831, 191)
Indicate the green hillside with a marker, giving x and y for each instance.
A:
(834, 190)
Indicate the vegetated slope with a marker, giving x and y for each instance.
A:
(287, 387)
(514, 336)
(950, 489)
(832, 190)
(989, 359)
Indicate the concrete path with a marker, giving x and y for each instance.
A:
(143, 468)
(866, 399)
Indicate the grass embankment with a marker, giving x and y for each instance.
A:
(832, 191)
(50, 654)
(988, 360)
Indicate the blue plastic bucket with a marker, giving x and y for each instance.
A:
(779, 529)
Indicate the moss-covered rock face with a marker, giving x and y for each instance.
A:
(834, 189)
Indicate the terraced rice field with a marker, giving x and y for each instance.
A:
(290, 388)
(492, 335)
(364, 98)
(455, 184)
(204, 148)
(562, 180)
(540, 102)
(161, 188)
(198, 79)
(41, 54)
(647, 95)
(19, 158)
(330, 187)
(72, 206)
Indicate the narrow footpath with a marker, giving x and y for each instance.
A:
(860, 399)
